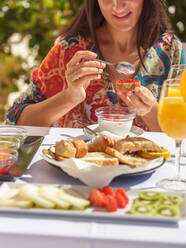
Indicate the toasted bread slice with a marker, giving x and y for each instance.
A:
(59, 158)
(131, 160)
(65, 148)
(100, 158)
(53, 155)
(81, 148)
(99, 143)
(49, 154)
(134, 144)
(127, 85)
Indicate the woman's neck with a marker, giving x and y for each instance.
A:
(125, 41)
(116, 46)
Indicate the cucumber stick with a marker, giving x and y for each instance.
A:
(7, 192)
(15, 203)
(31, 192)
(75, 201)
(47, 197)
(50, 193)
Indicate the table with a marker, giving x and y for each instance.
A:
(46, 232)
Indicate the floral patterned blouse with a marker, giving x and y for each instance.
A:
(49, 79)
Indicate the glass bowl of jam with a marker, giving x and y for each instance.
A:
(8, 155)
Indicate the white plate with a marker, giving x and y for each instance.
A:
(98, 176)
(92, 212)
(135, 131)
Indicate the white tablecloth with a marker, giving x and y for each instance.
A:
(29, 231)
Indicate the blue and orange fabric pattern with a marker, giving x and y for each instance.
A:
(49, 79)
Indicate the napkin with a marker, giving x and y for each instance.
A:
(99, 176)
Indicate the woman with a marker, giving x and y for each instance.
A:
(67, 87)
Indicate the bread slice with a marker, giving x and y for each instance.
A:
(100, 158)
(59, 158)
(132, 160)
(51, 154)
(99, 143)
(81, 148)
(65, 148)
(134, 144)
(127, 85)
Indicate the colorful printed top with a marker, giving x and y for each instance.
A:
(49, 79)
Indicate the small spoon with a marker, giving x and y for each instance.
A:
(87, 128)
(121, 67)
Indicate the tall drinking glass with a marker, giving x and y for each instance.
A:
(178, 72)
(172, 120)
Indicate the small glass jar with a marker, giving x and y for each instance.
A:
(117, 120)
(12, 133)
(8, 157)
(10, 143)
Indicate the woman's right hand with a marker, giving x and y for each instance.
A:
(80, 72)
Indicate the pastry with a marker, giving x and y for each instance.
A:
(65, 148)
(134, 144)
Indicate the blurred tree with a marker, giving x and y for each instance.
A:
(40, 22)
(177, 14)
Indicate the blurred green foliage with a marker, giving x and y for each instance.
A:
(178, 18)
(42, 21)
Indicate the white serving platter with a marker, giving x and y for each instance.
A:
(92, 212)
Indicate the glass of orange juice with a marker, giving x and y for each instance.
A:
(178, 72)
(172, 120)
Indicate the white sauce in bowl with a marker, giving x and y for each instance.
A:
(116, 127)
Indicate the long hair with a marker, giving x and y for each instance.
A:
(152, 23)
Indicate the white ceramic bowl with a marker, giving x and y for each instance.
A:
(115, 120)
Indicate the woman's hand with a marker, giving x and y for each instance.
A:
(145, 105)
(80, 72)
(141, 100)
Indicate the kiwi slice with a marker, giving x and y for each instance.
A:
(142, 210)
(167, 211)
(176, 200)
(150, 195)
(166, 202)
(140, 201)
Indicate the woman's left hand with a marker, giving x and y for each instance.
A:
(141, 100)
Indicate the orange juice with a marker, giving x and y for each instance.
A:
(172, 117)
(174, 91)
(183, 85)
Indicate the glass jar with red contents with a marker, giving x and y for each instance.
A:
(8, 156)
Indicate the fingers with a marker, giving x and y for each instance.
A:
(83, 82)
(91, 63)
(141, 103)
(78, 56)
(132, 101)
(88, 79)
(83, 68)
(84, 71)
(81, 72)
(144, 95)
